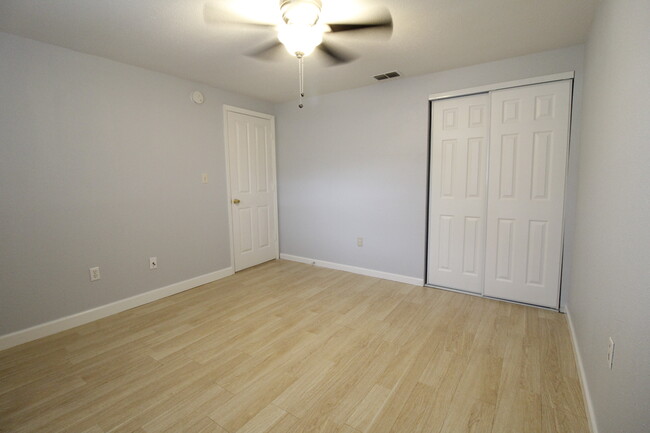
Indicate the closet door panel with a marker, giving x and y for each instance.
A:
(529, 136)
(459, 148)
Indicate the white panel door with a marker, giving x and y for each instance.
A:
(251, 154)
(527, 164)
(457, 192)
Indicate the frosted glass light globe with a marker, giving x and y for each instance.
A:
(300, 38)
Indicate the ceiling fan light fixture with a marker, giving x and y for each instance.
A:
(300, 11)
(300, 38)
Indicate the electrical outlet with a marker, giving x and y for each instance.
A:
(359, 242)
(610, 353)
(94, 274)
(153, 262)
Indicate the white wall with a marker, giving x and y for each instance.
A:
(100, 165)
(355, 164)
(610, 285)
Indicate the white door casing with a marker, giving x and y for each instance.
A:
(250, 148)
(529, 139)
(457, 192)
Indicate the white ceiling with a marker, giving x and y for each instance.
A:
(171, 36)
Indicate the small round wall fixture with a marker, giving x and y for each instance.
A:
(197, 97)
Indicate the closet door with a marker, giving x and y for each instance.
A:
(457, 192)
(527, 165)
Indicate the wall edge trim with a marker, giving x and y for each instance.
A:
(589, 406)
(355, 270)
(64, 323)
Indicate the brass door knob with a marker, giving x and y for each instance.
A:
(236, 201)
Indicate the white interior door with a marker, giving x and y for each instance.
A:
(527, 165)
(457, 192)
(251, 162)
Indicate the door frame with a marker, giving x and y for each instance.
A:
(570, 75)
(232, 109)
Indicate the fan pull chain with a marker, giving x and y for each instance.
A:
(301, 73)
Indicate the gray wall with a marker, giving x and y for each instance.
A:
(355, 164)
(100, 165)
(610, 285)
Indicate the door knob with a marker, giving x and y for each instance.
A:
(236, 201)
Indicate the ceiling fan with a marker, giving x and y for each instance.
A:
(301, 31)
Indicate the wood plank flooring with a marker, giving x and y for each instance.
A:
(286, 348)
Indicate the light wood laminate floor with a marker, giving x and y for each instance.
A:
(285, 348)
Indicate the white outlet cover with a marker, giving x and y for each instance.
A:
(94, 274)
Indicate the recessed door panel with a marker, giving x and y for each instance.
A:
(447, 168)
(475, 169)
(262, 158)
(243, 157)
(508, 166)
(263, 220)
(245, 220)
(470, 246)
(536, 259)
(457, 192)
(510, 110)
(504, 249)
(444, 243)
(541, 170)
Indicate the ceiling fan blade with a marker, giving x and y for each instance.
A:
(213, 15)
(273, 50)
(383, 23)
(336, 55)
(351, 27)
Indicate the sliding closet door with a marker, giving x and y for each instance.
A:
(527, 165)
(457, 192)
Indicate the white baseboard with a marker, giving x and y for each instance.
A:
(356, 270)
(64, 323)
(591, 416)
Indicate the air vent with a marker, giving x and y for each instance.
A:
(387, 75)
